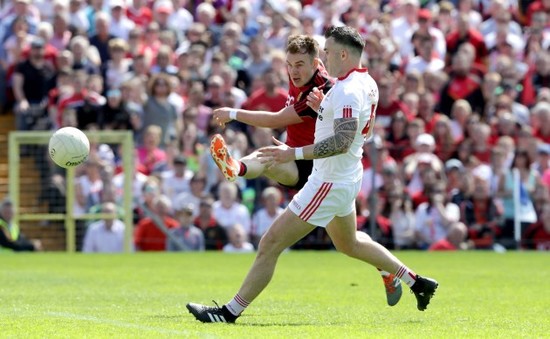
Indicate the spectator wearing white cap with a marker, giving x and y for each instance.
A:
(403, 27)
(120, 24)
(424, 147)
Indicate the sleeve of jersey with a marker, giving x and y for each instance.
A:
(301, 107)
(346, 104)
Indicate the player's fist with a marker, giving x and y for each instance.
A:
(221, 115)
(314, 99)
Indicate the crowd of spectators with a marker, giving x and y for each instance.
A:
(464, 100)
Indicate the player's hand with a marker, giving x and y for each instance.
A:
(221, 116)
(272, 155)
(23, 106)
(314, 99)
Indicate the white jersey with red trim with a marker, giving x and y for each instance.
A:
(354, 95)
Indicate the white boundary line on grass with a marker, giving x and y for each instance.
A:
(93, 319)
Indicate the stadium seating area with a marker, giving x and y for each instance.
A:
(461, 152)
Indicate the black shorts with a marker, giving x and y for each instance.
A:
(305, 167)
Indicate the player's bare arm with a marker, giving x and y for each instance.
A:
(339, 143)
(344, 133)
(286, 116)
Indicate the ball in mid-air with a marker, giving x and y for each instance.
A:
(69, 147)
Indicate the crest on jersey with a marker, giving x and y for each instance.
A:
(347, 111)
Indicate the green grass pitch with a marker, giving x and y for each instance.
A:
(313, 295)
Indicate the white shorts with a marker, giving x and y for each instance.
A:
(319, 202)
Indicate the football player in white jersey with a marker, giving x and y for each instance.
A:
(345, 117)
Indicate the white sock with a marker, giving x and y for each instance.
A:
(383, 273)
(237, 305)
(406, 275)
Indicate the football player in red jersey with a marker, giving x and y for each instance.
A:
(306, 72)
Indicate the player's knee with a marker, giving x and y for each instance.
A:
(346, 248)
(269, 245)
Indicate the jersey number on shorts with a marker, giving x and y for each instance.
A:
(366, 130)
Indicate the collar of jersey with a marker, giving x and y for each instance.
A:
(361, 70)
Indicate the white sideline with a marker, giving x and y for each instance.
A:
(111, 322)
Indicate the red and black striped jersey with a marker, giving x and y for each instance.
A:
(302, 134)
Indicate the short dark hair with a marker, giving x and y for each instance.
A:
(302, 44)
(347, 36)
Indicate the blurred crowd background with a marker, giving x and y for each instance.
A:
(464, 100)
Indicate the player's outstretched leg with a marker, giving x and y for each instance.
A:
(211, 314)
(342, 231)
(227, 165)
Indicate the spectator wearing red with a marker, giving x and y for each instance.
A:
(271, 97)
(505, 124)
(398, 141)
(534, 7)
(140, 14)
(150, 156)
(150, 232)
(389, 103)
(414, 127)
(480, 137)
(445, 144)
(454, 241)
(151, 41)
(537, 236)
(481, 214)
(426, 111)
(463, 84)
(215, 236)
(462, 34)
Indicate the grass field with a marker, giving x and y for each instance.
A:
(313, 295)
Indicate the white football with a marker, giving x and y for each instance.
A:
(69, 147)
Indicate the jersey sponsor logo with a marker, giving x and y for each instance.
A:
(289, 101)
